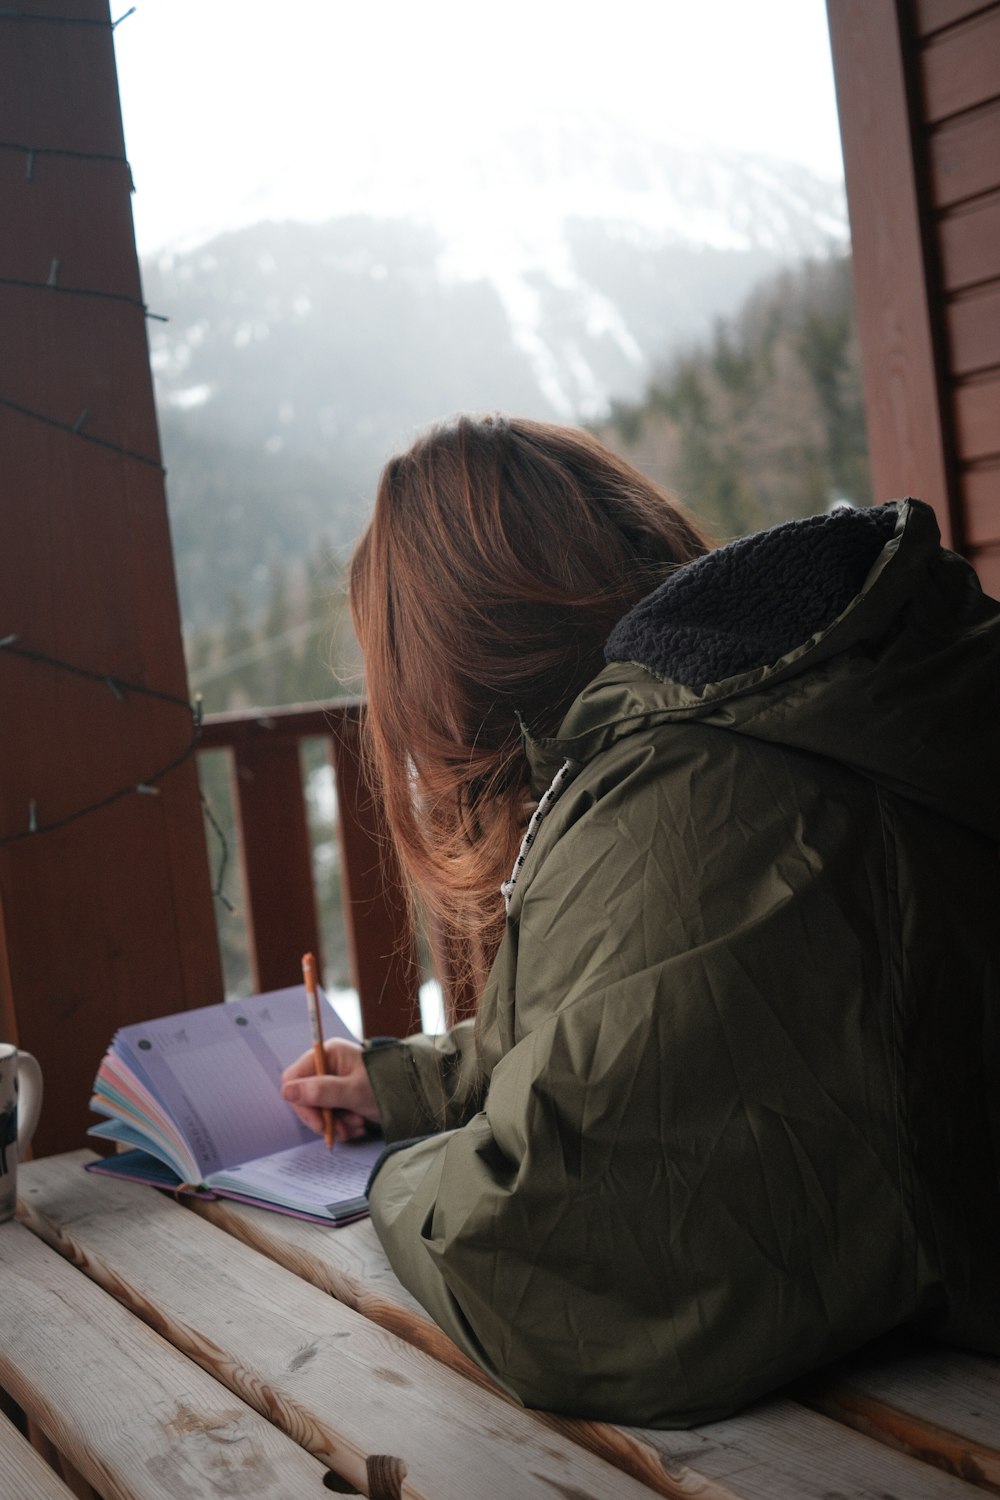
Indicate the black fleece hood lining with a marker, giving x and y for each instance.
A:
(751, 602)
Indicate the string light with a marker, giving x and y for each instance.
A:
(76, 430)
(148, 787)
(220, 876)
(30, 152)
(51, 284)
(9, 14)
(120, 688)
(81, 291)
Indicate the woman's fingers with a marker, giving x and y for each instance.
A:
(341, 1058)
(310, 1096)
(344, 1089)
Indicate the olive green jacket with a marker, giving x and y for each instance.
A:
(741, 1037)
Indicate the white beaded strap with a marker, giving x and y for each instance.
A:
(545, 805)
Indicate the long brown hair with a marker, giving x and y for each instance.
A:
(499, 556)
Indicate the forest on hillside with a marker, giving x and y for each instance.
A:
(765, 422)
(762, 423)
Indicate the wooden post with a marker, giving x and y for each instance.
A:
(379, 932)
(278, 891)
(900, 323)
(107, 918)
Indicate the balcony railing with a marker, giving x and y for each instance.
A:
(279, 894)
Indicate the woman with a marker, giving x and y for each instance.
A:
(730, 1107)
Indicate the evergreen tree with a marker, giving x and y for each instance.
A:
(767, 421)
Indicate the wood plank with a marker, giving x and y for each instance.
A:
(279, 894)
(973, 323)
(899, 336)
(964, 156)
(784, 1451)
(353, 1395)
(379, 932)
(940, 1405)
(295, 721)
(25, 1474)
(776, 1450)
(981, 498)
(934, 15)
(969, 243)
(961, 67)
(977, 419)
(136, 1418)
(352, 1267)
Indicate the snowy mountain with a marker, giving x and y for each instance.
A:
(550, 275)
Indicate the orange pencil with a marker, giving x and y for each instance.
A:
(319, 1056)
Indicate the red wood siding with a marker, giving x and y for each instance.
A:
(108, 919)
(963, 153)
(919, 93)
(960, 66)
(958, 116)
(967, 241)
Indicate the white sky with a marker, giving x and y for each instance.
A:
(236, 110)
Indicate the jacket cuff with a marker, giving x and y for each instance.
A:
(390, 1151)
(394, 1072)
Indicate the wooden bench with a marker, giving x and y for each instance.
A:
(227, 1351)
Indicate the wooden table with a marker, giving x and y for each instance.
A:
(225, 1351)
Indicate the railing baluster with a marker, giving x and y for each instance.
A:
(276, 861)
(379, 932)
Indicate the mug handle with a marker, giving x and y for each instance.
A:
(29, 1103)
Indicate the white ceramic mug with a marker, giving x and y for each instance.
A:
(20, 1102)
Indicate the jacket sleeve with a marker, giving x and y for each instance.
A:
(683, 1188)
(425, 1083)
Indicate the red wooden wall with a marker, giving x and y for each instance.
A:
(918, 86)
(109, 918)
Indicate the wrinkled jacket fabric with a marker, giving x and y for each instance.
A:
(739, 1108)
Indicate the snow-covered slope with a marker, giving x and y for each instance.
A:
(604, 248)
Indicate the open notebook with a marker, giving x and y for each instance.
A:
(196, 1098)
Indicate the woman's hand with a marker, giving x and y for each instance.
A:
(345, 1090)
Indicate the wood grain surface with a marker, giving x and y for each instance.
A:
(137, 1419)
(779, 1451)
(383, 1415)
(940, 1389)
(942, 1405)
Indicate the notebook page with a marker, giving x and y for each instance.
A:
(307, 1177)
(217, 1072)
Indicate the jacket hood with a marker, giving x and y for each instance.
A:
(854, 636)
